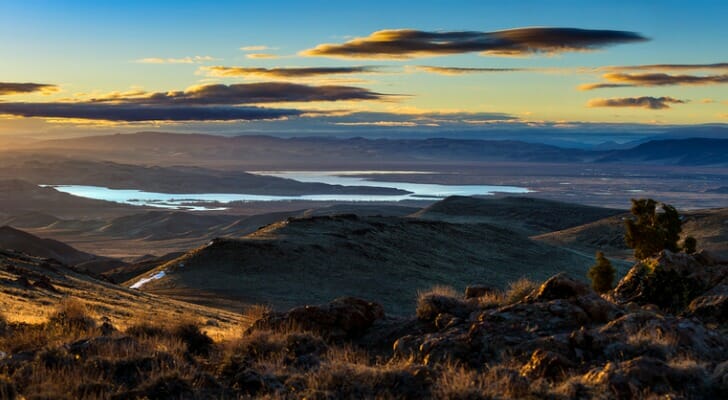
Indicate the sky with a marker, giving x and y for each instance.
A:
(76, 67)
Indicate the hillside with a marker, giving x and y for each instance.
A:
(56, 170)
(528, 215)
(11, 238)
(388, 259)
(709, 227)
(31, 287)
(23, 198)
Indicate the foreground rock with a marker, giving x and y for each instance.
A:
(696, 285)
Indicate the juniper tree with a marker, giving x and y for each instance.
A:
(602, 274)
(651, 231)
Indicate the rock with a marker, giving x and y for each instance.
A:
(546, 364)
(558, 287)
(719, 377)
(712, 306)
(672, 280)
(346, 317)
(432, 305)
(476, 291)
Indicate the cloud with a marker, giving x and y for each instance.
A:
(183, 60)
(137, 113)
(257, 56)
(460, 70)
(668, 67)
(408, 43)
(221, 71)
(247, 93)
(255, 48)
(652, 103)
(653, 79)
(7, 88)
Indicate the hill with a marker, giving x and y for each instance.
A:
(31, 287)
(709, 227)
(526, 214)
(308, 260)
(19, 197)
(11, 238)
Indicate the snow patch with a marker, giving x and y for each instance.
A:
(141, 282)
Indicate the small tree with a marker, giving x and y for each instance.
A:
(602, 274)
(650, 231)
(690, 244)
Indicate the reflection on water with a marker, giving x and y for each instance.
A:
(418, 191)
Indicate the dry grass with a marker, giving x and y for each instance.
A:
(519, 289)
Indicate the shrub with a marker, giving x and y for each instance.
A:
(650, 231)
(198, 343)
(690, 244)
(440, 300)
(519, 289)
(602, 274)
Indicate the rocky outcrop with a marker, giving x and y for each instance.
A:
(345, 317)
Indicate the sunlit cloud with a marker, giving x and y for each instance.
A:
(408, 43)
(256, 48)
(8, 88)
(458, 70)
(668, 67)
(648, 102)
(614, 80)
(281, 72)
(264, 56)
(183, 60)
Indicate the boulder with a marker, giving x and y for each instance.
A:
(345, 317)
(546, 364)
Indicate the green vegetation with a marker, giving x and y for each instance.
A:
(602, 274)
(651, 231)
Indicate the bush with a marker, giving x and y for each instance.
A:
(651, 231)
(519, 289)
(690, 244)
(602, 274)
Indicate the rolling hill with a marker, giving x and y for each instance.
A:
(709, 227)
(388, 259)
(11, 238)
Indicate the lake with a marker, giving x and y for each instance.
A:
(418, 191)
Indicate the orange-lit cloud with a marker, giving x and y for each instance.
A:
(265, 56)
(648, 102)
(408, 43)
(7, 88)
(281, 72)
(668, 67)
(653, 79)
(255, 48)
(183, 60)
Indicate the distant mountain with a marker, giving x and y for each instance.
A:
(11, 238)
(687, 152)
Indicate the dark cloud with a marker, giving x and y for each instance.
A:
(247, 93)
(652, 103)
(18, 88)
(407, 43)
(462, 70)
(136, 113)
(285, 72)
(654, 79)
